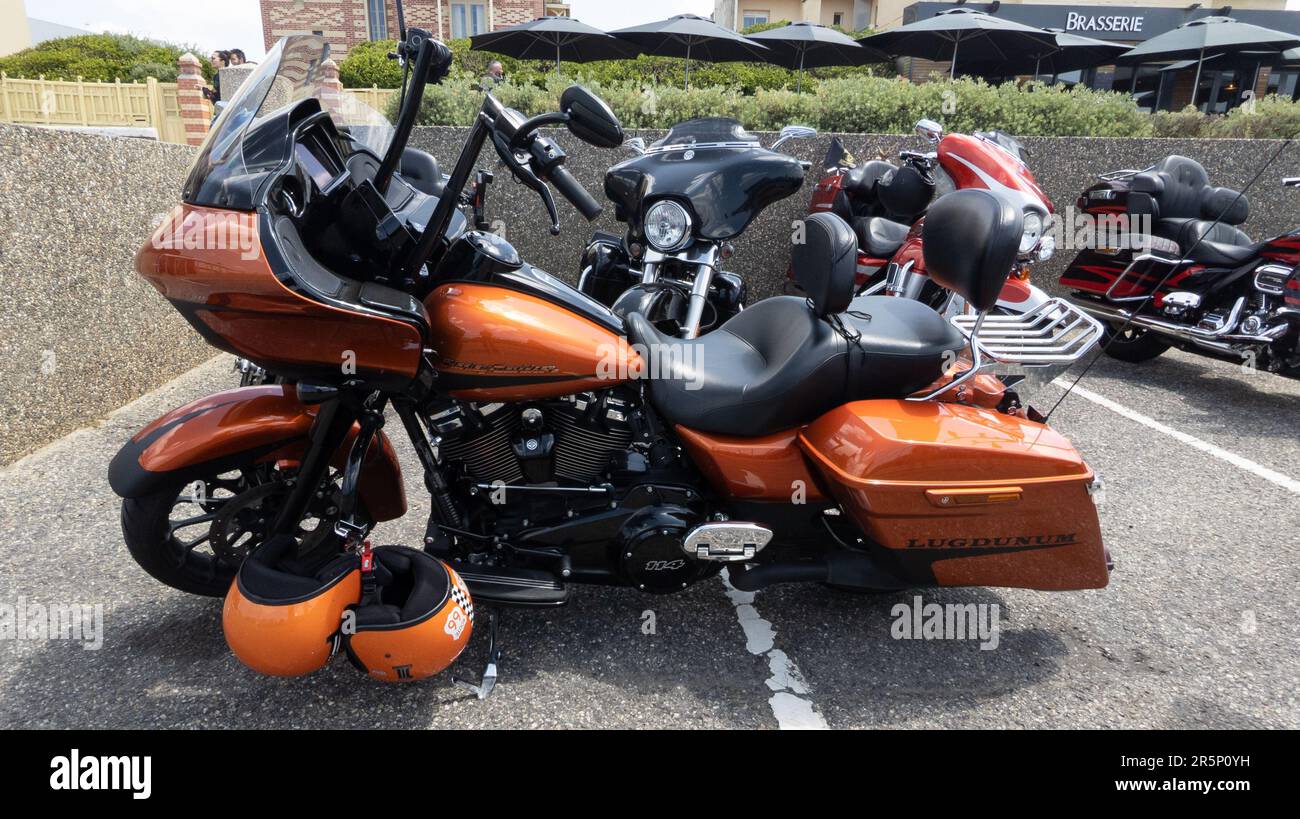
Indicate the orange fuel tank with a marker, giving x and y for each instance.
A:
(492, 343)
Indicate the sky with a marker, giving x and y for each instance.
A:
(211, 24)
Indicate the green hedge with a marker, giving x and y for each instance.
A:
(103, 57)
(855, 105)
(1272, 117)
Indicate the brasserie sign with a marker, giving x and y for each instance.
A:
(1074, 21)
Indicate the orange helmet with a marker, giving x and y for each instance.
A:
(417, 622)
(287, 624)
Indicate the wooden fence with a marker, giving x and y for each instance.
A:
(376, 98)
(150, 104)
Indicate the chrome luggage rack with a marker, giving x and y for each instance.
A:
(1055, 332)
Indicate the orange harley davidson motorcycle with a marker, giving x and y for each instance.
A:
(560, 442)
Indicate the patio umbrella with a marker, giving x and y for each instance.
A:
(1067, 52)
(688, 35)
(558, 37)
(1220, 35)
(977, 36)
(801, 45)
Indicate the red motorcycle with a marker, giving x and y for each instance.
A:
(1170, 267)
(886, 204)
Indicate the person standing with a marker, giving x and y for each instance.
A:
(218, 60)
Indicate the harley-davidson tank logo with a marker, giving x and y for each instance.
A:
(512, 369)
(1026, 541)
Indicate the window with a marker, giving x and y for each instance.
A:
(378, 19)
(1283, 82)
(468, 19)
(753, 18)
(837, 19)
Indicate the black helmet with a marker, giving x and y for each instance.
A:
(905, 193)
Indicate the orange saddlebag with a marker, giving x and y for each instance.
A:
(953, 495)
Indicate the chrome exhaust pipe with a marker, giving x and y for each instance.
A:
(1215, 339)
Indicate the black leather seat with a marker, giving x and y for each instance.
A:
(1176, 193)
(1220, 245)
(880, 237)
(783, 362)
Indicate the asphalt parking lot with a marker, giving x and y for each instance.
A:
(1200, 626)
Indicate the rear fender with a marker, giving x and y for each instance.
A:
(267, 423)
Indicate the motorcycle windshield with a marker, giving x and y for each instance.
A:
(291, 73)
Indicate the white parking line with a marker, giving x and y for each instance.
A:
(1272, 476)
(792, 711)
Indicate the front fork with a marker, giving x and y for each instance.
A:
(704, 258)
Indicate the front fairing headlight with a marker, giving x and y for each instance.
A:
(667, 226)
(1033, 232)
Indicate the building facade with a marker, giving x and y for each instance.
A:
(348, 22)
(738, 15)
(1222, 83)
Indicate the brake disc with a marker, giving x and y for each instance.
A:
(241, 525)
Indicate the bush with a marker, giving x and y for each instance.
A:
(102, 57)
(856, 105)
(367, 65)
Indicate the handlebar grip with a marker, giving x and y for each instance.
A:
(577, 195)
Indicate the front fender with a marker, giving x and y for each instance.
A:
(267, 423)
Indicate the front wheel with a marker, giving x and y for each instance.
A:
(192, 536)
(1132, 344)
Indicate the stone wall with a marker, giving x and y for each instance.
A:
(81, 334)
(1064, 166)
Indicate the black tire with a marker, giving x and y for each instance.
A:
(1134, 345)
(145, 525)
(151, 530)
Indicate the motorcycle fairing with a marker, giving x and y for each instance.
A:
(975, 163)
(269, 423)
(725, 188)
(1019, 515)
(249, 288)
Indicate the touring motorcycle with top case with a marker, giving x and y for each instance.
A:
(886, 204)
(1169, 266)
(685, 200)
(558, 442)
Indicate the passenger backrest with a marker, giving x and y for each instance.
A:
(825, 263)
(1179, 188)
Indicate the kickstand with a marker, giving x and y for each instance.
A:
(484, 687)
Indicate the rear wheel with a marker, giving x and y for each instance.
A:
(1132, 344)
(193, 535)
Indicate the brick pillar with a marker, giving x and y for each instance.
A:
(196, 112)
(331, 88)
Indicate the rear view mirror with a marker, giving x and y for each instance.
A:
(590, 119)
(929, 129)
(790, 132)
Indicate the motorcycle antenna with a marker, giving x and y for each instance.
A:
(1286, 143)
(400, 56)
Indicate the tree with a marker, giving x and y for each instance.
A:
(103, 57)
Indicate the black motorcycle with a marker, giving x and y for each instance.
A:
(684, 199)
